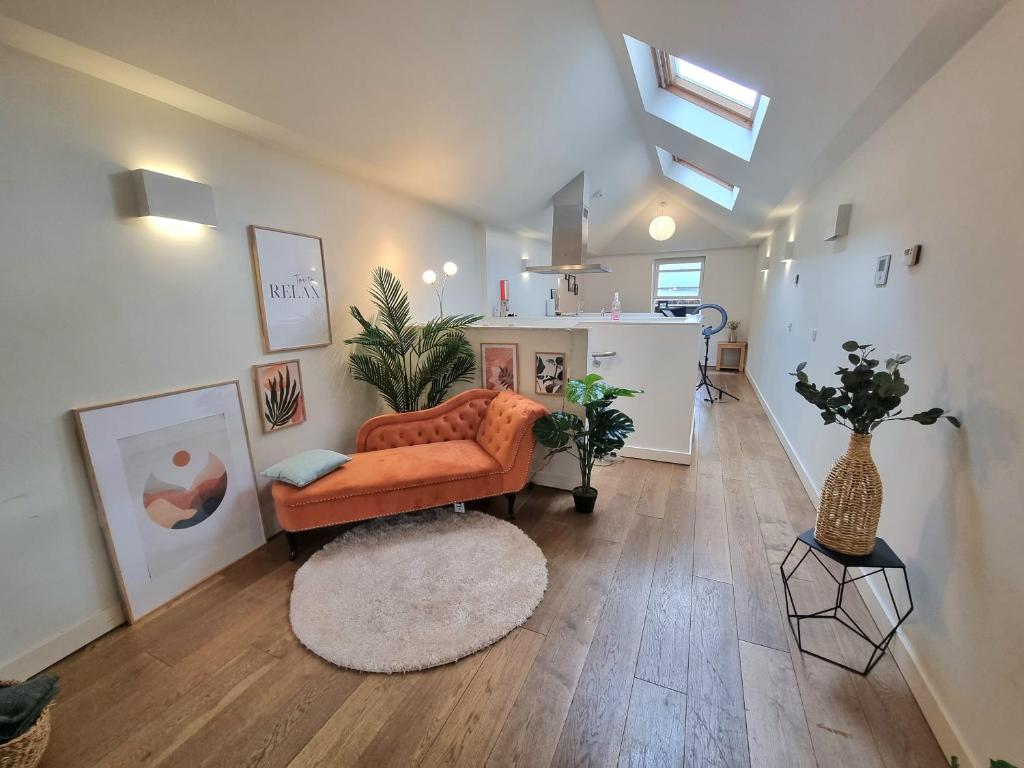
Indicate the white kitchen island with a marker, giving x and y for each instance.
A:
(640, 351)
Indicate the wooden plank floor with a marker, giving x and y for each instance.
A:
(660, 642)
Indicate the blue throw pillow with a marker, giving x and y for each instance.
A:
(303, 468)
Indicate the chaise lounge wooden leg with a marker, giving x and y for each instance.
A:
(293, 544)
(511, 499)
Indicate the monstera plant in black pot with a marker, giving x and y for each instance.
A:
(603, 429)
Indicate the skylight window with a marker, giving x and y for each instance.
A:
(706, 89)
(696, 179)
(725, 185)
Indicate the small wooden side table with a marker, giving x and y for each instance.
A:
(740, 347)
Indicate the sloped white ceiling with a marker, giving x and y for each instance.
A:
(831, 70)
(488, 108)
(694, 231)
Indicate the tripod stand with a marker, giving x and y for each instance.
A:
(706, 382)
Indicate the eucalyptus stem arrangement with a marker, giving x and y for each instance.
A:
(869, 395)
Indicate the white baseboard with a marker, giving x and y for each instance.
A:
(62, 644)
(655, 454)
(947, 734)
(556, 480)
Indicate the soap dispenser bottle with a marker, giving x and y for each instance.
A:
(616, 307)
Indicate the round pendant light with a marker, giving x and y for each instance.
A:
(663, 226)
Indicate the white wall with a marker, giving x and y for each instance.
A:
(728, 280)
(944, 171)
(96, 307)
(505, 251)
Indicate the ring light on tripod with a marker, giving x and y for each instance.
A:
(709, 330)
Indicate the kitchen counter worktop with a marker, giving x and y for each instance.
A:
(582, 321)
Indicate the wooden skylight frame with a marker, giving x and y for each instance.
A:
(728, 187)
(694, 92)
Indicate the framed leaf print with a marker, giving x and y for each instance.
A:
(549, 373)
(279, 394)
(499, 366)
(291, 287)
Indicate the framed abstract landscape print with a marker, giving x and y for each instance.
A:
(279, 395)
(499, 366)
(291, 287)
(175, 489)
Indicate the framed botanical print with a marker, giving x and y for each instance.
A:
(291, 287)
(279, 394)
(499, 366)
(549, 373)
(174, 485)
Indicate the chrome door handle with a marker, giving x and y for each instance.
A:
(603, 354)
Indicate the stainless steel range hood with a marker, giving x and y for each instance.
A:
(570, 231)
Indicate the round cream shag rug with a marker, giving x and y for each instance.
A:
(416, 590)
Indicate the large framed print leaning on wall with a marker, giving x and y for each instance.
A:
(175, 489)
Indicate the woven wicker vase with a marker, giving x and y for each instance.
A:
(851, 501)
(27, 750)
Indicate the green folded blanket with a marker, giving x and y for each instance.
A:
(22, 704)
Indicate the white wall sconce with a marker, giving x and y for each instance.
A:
(787, 253)
(450, 268)
(840, 225)
(168, 197)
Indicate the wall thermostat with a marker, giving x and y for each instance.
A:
(912, 255)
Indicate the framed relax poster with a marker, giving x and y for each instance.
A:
(291, 287)
(279, 394)
(175, 489)
(499, 366)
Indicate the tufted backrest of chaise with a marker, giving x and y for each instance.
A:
(506, 422)
(455, 419)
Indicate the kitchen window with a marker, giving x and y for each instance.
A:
(678, 279)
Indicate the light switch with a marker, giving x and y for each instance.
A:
(814, 335)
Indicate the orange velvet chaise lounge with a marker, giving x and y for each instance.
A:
(476, 445)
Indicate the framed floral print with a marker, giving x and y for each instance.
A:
(499, 366)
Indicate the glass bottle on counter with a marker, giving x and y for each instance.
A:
(616, 307)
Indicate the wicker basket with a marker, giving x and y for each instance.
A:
(851, 501)
(27, 750)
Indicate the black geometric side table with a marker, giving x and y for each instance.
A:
(881, 560)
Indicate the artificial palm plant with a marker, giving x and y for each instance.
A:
(412, 366)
